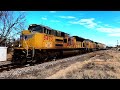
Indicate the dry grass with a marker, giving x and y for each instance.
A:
(70, 69)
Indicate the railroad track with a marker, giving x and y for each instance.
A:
(10, 66)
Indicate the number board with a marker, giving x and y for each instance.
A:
(50, 38)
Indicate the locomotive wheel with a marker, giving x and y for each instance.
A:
(54, 58)
(15, 61)
(34, 60)
(23, 62)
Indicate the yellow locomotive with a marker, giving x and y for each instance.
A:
(41, 42)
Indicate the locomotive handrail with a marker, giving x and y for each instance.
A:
(27, 47)
(33, 53)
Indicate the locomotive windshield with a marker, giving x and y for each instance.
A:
(35, 28)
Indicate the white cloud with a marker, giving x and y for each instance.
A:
(52, 11)
(114, 34)
(54, 21)
(74, 22)
(67, 17)
(86, 22)
(106, 28)
(44, 18)
(109, 30)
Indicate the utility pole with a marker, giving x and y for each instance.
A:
(118, 46)
(117, 43)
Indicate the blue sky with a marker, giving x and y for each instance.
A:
(100, 26)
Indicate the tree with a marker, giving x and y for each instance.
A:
(11, 24)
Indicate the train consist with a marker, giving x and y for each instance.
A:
(40, 43)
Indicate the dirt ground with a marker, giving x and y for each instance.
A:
(96, 65)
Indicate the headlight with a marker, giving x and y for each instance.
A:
(19, 45)
(23, 51)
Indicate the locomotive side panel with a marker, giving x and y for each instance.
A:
(58, 42)
(38, 41)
